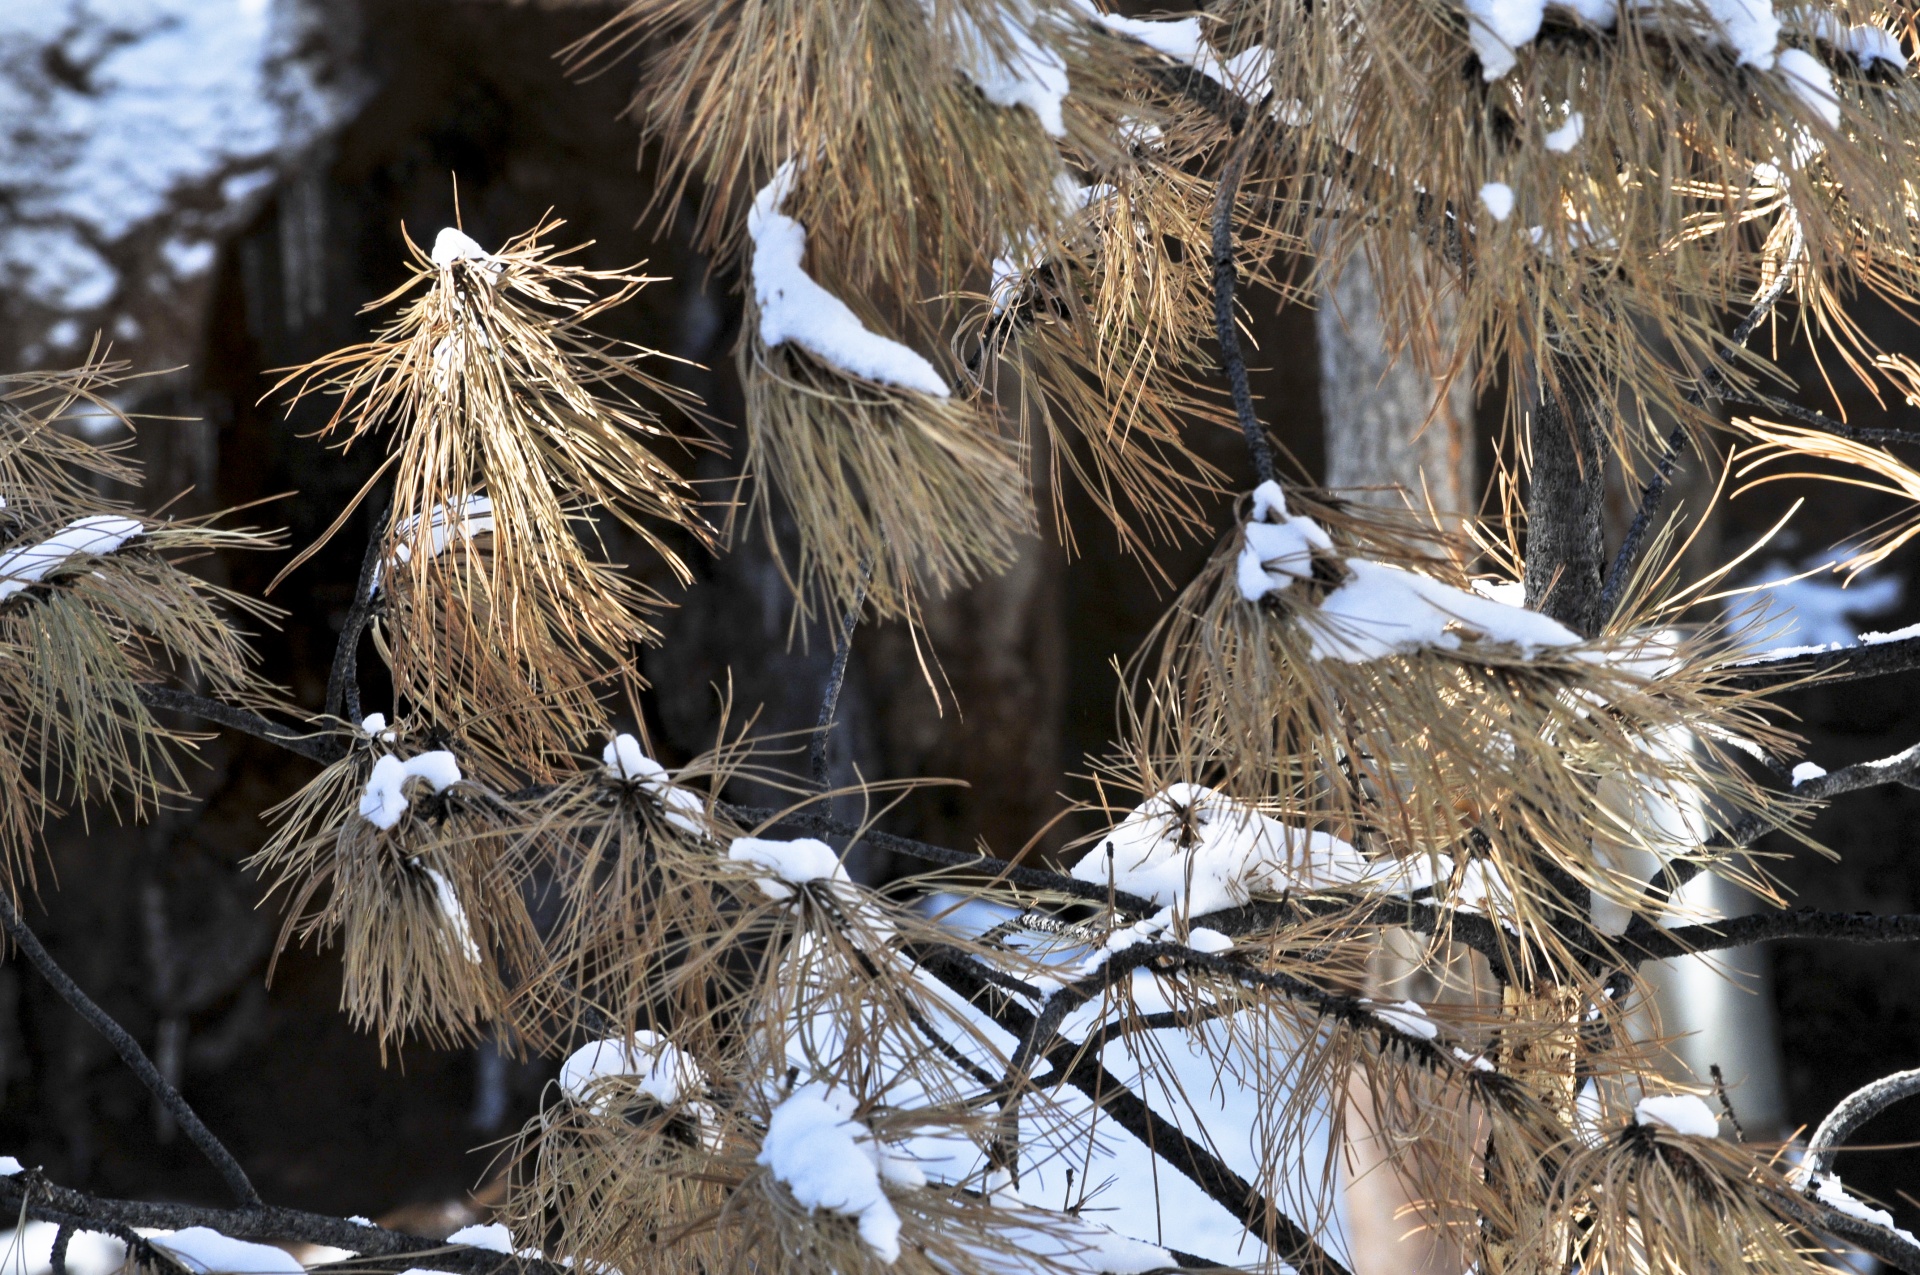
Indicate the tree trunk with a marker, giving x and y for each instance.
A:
(1393, 435)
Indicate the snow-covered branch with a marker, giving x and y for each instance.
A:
(32, 1194)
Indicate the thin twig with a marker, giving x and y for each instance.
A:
(322, 748)
(836, 676)
(130, 1053)
(343, 679)
(1820, 420)
(1224, 325)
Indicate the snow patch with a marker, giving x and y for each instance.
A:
(385, 800)
(795, 308)
(1497, 28)
(1406, 1016)
(649, 1063)
(1681, 1112)
(491, 1236)
(1026, 74)
(100, 534)
(455, 915)
(444, 527)
(1497, 199)
(1383, 610)
(786, 864)
(1829, 1191)
(1567, 136)
(830, 1162)
(1812, 83)
(29, 1251)
(10, 1166)
(1806, 772)
(1200, 851)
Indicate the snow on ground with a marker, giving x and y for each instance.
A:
(115, 107)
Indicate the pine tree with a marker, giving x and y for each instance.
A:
(975, 238)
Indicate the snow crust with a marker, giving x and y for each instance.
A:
(1026, 74)
(1806, 772)
(786, 864)
(1497, 28)
(25, 566)
(1811, 82)
(1383, 610)
(1749, 28)
(385, 798)
(1278, 549)
(1682, 1113)
(1199, 850)
(828, 1161)
(649, 1063)
(1830, 1192)
(453, 244)
(1871, 44)
(1497, 199)
(490, 1235)
(795, 308)
(1567, 136)
(624, 761)
(10, 1166)
(207, 1252)
(454, 913)
(1408, 1017)
(1380, 610)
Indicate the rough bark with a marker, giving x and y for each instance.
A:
(1566, 504)
(1393, 434)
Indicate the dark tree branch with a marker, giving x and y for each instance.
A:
(1801, 923)
(1858, 1107)
(322, 748)
(1896, 1251)
(1225, 325)
(259, 1224)
(1901, 768)
(343, 679)
(130, 1053)
(1469, 928)
(836, 676)
(1819, 420)
(1013, 874)
(1853, 663)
